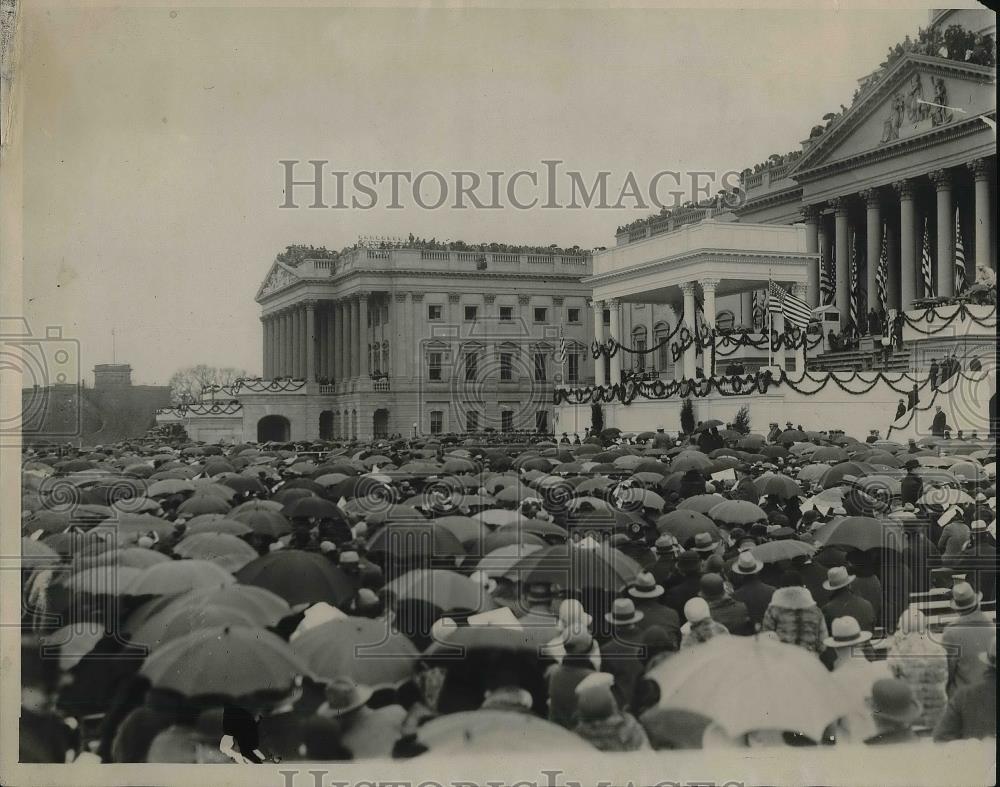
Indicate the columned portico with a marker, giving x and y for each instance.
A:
(310, 341)
(708, 307)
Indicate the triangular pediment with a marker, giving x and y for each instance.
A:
(279, 277)
(901, 107)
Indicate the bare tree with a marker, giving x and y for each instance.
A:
(193, 382)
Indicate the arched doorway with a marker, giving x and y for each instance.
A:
(273, 429)
(380, 423)
(354, 424)
(326, 425)
(337, 428)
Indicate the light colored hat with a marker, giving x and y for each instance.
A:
(344, 695)
(696, 610)
(747, 563)
(645, 586)
(350, 556)
(844, 632)
(964, 598)
(837, 577)
(979, 526)
(623, 613)
(572, 615)
(704, 542)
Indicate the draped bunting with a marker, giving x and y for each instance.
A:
(257, 385)
(726, 344)
(931, 316)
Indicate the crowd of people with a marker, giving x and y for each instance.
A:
(320, 601)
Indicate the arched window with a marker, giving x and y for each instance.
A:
(386, 367)
(663, 358)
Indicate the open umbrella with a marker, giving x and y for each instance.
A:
(177, 620)
(298, 577)
(265, 522)
(685, 524)
(785, 549)
(499, 561)
(755, 684)
(778, 484)
(701, 503)
(691, 460)
(177, 576)
(226, 551)
(737, 513)
(203, 503)
(830, 454)
(862, 533)
(484, 731)
(224, 661)
(358, 648)
(573, 566)
(312, 508)
(945, 496)
(447, 590)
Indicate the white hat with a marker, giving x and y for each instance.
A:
(844, 632)
(696, 610)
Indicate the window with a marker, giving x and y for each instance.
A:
(506, 313)
(606, 316)
(470, 313)
(573, 368)
(434, 312)
(434, 366)
(542, 421)
(472, 421)
(437, 421)
(541, 314)
(640, 358)
(471, 366)
(506, 367)
(375, 315)
(506, 420)
(573, 315)
(539, 367)
(663, 356)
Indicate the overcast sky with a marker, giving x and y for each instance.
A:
(153, 137)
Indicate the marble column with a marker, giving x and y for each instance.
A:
(892, 273)
(288, 363)
(616, 333)
(415, 336)
(340, 368)
(982, 172)
(690, 316)
(364, 337)
(263, 342)
(400, 359)
(350, 338)
(746, 310)
(873, 244)
(331, 341)
(945, 233)
(599, 362)
(309, 334)
(810, 215)
(708, 291)
(907, 244)
(800, 291)
(843, 240)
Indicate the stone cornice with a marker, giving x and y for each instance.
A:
(777, 259)
(782, 197)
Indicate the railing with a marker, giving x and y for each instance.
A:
(327, 389)
(381, 386)
(498, 257)
(637, 234)
(540, 259)
(660, 224)
(573, 260)
(324, 264)
(434, 255)
(469, 256)
(753, 181)
(378, 254)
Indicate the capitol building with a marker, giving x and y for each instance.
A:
(886, 208)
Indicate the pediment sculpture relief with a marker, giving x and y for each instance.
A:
(910, 111)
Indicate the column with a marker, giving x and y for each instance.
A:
(351, 338)
(415, 316)
(941, 178)
(746, 310)
(651, 357)
(907, 244)
(599, 362)
(340, 367)
(331, 341)
(823, 243)
(873, 250)
(364, 337)
(616, 329)
(708, 291)
(843, 240)
(289, 343)
(399, 358)
(690, 357)
(310, 341)
(982, 172)
(892, 282)
(799, 291)
(810, 215)
(778, 329)
(321, 324)
(263, 341)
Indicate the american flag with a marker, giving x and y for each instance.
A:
(827, 280)
(795, 310)
(854, 306)
(959, 257)
(881, 275)
(926, 267)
